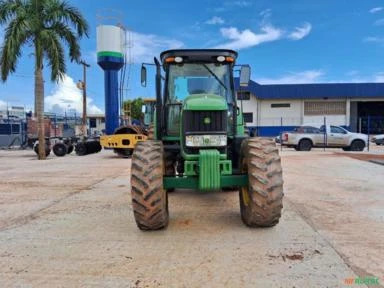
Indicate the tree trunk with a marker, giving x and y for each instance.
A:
(39, 103)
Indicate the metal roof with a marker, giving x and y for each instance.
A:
(312, 91)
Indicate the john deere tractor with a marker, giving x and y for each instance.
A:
(199, 141)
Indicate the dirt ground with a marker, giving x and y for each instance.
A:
(68, 222)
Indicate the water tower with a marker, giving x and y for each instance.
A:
(111, 58)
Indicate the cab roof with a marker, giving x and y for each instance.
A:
(199, 55)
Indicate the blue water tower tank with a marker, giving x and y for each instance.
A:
(110, 57)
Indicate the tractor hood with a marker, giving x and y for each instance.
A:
(205, 102)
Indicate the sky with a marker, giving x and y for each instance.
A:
(285, 42)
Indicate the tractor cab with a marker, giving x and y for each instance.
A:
(198, 82)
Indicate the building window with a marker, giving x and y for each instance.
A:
(243, 95)
(280, 105)
(248, 117)
(325, 108)
(92, 122)
(102, 120)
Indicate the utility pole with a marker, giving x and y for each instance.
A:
(82, 85)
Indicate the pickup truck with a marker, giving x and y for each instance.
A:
(330, 136)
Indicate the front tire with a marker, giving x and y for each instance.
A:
(261, 202)
(149, 199)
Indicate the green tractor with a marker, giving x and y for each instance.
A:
(199, 141)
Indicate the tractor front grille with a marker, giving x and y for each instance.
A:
(196, 122)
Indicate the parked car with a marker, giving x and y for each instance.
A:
(330, 136)
(301, 129)
(378, 139)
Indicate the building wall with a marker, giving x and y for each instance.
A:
(100, 123)
(339, 119)
(249, 106)
(270, 117)
(270, 114)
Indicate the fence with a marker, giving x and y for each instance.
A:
(274, 127)
(16, 132)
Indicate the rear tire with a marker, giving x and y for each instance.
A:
(357, 145)
(151, 132)
(305, 145)
(70, 148)
(60, 149)
(81, 149)
(149, 199)
(261, 201)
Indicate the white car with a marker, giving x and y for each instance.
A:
(378, 139)
(306, 137)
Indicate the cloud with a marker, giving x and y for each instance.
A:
(300, 32)
(146, 46)
(304, 77)
(247, 38)
(230, 5)
(215, 21)
(373, 39)
(379, 22)
(358, 78)
(3, 105)
(66, 96)
(266, 13)
(376, 10)
(242, 3)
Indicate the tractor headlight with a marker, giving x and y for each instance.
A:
(206, 140)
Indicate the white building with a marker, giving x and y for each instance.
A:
(96, 123)
(270, 109)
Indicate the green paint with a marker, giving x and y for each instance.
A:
(110, 54)
(240, 124)
(225, 167)
(171, 138)
(190, 168)
(193, 182)
(209, 170)
(205, 102)
(195, 157)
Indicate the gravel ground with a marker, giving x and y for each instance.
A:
(68, 222)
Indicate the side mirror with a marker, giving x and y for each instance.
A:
(245, 75)
(143, 109)
(143, 76)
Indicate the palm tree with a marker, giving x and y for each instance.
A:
(44, 25)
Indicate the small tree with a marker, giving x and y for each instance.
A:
(135, 107)
(45, 25)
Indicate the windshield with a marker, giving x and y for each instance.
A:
(189, 79)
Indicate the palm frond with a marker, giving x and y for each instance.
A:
(9, 9)
(61, 11)
(68, 36)
(54, 53)
(16, 35)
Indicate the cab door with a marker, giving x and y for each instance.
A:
(337, 136)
